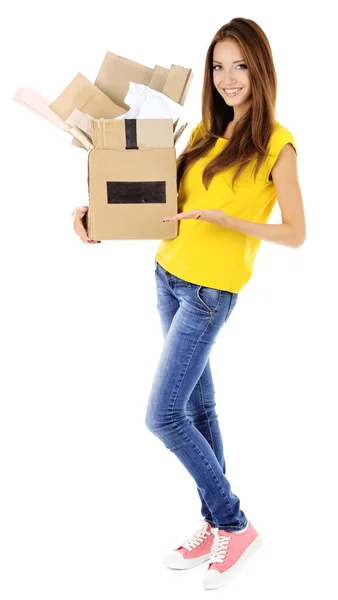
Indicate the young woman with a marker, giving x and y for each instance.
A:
(237, 162)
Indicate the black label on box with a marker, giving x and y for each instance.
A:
(136, 192)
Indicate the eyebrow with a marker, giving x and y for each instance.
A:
(236, 61)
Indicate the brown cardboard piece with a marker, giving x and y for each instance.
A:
(80, 93)
(132, 179)
(116, 72)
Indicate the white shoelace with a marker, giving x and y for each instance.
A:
(219, 547)
(196, 539)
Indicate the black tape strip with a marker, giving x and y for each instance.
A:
(131, 138)
(136, 192)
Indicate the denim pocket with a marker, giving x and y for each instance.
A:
(209, 297)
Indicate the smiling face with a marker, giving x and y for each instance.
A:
(231, 76)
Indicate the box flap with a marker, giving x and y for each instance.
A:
(80, 93)
(129, 134)
(116, 72)
(179, 132)
(178, 83)
(158, 78)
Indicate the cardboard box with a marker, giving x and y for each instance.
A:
(132, 165)
(132, 179)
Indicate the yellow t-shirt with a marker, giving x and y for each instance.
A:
(210, 255)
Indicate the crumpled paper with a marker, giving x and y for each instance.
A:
(146, 103)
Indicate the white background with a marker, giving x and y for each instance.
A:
(90, 499)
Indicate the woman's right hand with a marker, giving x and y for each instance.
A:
(78, 226)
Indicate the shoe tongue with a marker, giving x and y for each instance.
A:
(223, 533)
(220, 532)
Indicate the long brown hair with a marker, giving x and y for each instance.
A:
(253, 130)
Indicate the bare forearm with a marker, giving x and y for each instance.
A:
(282, 233)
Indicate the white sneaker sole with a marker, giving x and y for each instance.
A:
(213, 579)
(175, 560)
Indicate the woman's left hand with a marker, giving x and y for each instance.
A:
(218, 217)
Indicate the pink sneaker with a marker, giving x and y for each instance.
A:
(195, 550)
(227, 549)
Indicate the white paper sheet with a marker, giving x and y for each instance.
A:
(146, 103)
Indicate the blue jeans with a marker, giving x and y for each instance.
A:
(181, 409)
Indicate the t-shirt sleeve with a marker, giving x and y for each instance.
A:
(279, 139)
(196, 133)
